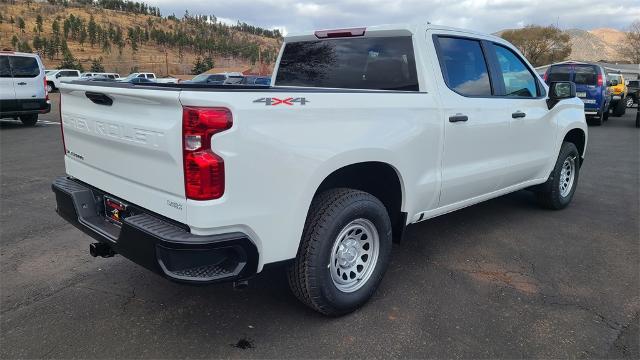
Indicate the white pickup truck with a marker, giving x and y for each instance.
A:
(149, 76)
(56, 77)
(361, 133)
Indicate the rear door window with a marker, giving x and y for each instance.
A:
(24, 67)
(5, 70)
(585, 75)
(464, 66)
(376, 63)
(559, 73)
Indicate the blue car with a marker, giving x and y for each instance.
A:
(591, 87)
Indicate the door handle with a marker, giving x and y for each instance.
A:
(99, 98)
(458, 118)
(518, 114)
(22, 83)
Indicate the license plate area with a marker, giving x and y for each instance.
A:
(115, 210)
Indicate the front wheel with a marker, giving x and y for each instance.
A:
(556, 193)
(50, 87)
(344, 251)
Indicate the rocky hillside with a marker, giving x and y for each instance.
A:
(596, 44)
(593, 45)
(125, 36)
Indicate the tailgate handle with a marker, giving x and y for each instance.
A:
(99, 98)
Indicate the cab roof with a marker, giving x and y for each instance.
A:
(381, 30)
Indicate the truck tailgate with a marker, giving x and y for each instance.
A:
(127, 142)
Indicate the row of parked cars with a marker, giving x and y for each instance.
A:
(602, 93)
(54, 77)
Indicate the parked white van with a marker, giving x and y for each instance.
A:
(23, 92)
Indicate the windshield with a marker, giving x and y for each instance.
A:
(131, 76)
(615, 77)
(201, 77)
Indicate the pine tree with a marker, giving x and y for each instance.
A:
(39, 23)
(96, 65)
(92, 28)
(21, 24)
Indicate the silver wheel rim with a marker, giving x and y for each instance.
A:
(567, 176)
(354, 255)
(629, 102)
(49, 88)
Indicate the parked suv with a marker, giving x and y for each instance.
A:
(55, 77)
(364, 132)
(23, 92)
(633, 88)
(591, 87)
(619, 92)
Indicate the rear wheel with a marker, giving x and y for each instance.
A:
(344, 251)
(598, 120)
(556, 193)
(50, 87)
(29, 120)
(620, 108)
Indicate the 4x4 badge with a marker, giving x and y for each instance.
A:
(272, 101)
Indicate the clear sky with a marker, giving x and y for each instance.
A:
(481, 15)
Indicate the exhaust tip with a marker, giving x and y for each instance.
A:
(101, 249)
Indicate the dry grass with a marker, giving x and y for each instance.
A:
(147, 58)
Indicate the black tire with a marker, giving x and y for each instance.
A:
(620, 108)
(29, 120)
(597, 121)
(629, 101)
(50, 87)
(310, 277)
(549, 194)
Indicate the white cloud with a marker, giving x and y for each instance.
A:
(482, 15)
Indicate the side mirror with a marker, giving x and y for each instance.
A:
(58, 75)
(560, 90)
(613, 83)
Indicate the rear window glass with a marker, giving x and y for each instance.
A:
(585, 75)
(464, 66)
(5, 71)
(559, 73)
(24, 66)
(380, 63)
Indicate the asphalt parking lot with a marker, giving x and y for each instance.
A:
(500, 279)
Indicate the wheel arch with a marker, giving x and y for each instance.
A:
(578, 137)
(378, 178)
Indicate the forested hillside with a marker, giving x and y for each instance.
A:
(125, 36)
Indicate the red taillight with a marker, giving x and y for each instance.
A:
(546, 74)
(203, 170)
(338, 33)
(600, 80)
(46, 93)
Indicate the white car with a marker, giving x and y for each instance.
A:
(364, 132)
(86, 75)
(23, 92)
(56, 77)
(149, 76)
